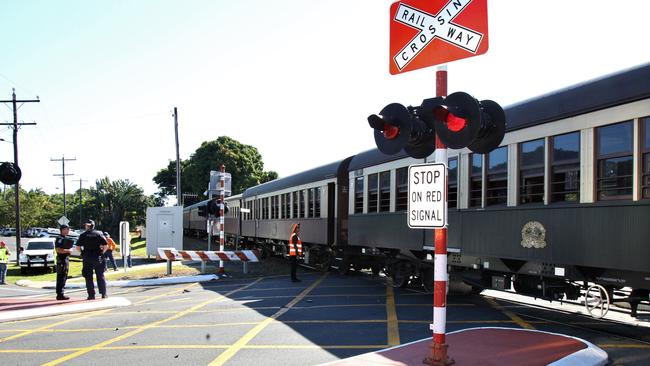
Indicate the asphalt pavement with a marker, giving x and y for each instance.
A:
(272, 321)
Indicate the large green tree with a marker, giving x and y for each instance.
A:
(113, 201)
(242, 161)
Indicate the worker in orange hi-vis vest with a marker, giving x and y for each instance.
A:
(295, 250)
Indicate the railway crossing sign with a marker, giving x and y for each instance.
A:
(432, 32)
(427, 196)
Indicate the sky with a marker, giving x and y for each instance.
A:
(294, 78)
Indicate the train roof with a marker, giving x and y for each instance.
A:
(607, 91)
(373, 157)
(314, 175)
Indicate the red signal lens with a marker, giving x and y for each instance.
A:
(455, 123)
(390, 131)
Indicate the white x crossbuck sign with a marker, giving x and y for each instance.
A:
(430, 26)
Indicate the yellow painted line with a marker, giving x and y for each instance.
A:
(339, 306)
(613, 345)
(429, 305)
(37, 350)
(230, 352)
(391, 315)
(470, 322)
(315, 346)
(51, 325)
(522, 323)
(145, 327)
(167, 346)
(333, 321)
(167, 293)
(202, 346)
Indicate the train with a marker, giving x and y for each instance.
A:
(559, 209)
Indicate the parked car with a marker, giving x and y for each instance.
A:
(9, 231)
(37, 253)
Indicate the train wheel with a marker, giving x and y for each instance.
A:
(597, 301)
(324, 261)
(344, 266)
(401, 273)
(426, 276)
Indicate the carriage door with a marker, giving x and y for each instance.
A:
(331, 213)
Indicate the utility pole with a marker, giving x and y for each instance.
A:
(178, 162)
(14, 101)
(63, 175)
(81, 220)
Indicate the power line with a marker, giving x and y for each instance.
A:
(80, 199)
(15, 125)
(63, 175)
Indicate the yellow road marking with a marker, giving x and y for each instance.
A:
(154, 297)
(613, 345)
(146, 326)
(522, 323)
(203, 346)
(230, 352)
(391, 316)
(40, 329)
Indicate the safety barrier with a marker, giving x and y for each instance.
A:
(172, 254)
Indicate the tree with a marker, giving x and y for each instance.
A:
(243, 162)
(112, 202)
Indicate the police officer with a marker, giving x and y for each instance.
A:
(63, 248)
(93, 245)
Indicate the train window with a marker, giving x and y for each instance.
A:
(402, 189)
(452, 183)
(358, 195)
(310, 201)
(294, 210)
(258, 209)
(275, 207)
(317, 202)
(303, 202)
(531, 171)
(384, 191)
(287, 205)
(476, 181)
(265, 208)
(565, 168)
(373, 190)
(496, 180)
(645, 177)
(615, 161)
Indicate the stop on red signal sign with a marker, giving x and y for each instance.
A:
(432, 32)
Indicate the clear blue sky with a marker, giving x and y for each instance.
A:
(296, 79)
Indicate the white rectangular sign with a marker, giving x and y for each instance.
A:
(427, 197)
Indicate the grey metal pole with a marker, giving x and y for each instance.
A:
(179, 197)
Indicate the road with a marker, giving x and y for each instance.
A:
(272, 321)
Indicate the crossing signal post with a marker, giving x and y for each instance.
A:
(456, 121)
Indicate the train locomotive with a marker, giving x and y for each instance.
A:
(559, 210)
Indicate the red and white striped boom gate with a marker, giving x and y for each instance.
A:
(172, 254)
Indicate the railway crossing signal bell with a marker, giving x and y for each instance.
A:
(459, 120)
(10, 173)
(214, 207)
(203, 210)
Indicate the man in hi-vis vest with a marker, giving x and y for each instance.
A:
(295, 250)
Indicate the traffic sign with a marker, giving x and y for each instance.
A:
(427, 204)
(432, 32)
(63, 220)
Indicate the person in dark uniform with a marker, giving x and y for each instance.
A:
(63, 247)
(93, 245)
(295, 250)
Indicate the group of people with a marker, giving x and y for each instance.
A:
(96, 250)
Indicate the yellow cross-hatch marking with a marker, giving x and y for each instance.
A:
(522, 323)
(146, 326)
(391, 317)
(230, 352)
